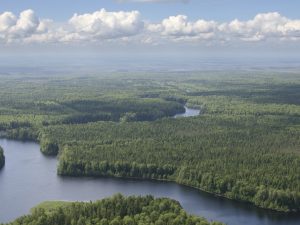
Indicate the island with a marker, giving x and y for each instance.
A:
(116, 210)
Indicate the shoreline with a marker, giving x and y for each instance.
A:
(285, 212)
(270, 210)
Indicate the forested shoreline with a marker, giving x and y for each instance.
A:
(2, 158)
(138, 154)
(116, 210)
(244, 146)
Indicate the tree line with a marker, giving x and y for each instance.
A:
(117, 210)
(239, 157)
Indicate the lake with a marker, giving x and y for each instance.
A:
(29, 178)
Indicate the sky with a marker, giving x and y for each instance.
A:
(154, 26)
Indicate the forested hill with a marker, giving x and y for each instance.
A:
(245, 145)
(2, 158)
(117, 210)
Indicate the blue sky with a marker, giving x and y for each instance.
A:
(206, 9)
(150, 25)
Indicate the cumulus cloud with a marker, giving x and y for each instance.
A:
(106, 25)
(97, 26)
(13, 28)
(127, 26)
(7, 20)
(263, 26)
(179, 27)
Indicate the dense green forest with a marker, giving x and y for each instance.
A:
(117, 210)
(2, 158)
(245, 145)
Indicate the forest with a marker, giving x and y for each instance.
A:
(2, 158)
(244, 145)
(117, 210)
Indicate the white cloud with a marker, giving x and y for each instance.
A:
(265, 26)
(261, 27)
(7, 20)
(178, 27)
(17, 29)
(106, 25)
(123, 27)
(98, 26)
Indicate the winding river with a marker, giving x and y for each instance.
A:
(29, 178)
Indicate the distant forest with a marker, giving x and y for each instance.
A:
(244, 145)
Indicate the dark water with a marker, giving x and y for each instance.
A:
(188, 112)
(29, 178)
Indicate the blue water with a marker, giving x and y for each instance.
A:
(29, 178)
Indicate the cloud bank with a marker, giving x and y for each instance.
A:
(128, 26)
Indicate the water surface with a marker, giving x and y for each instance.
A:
(29, 178)
(188, 113)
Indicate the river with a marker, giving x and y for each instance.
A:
(29, 178)
(188, 113)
